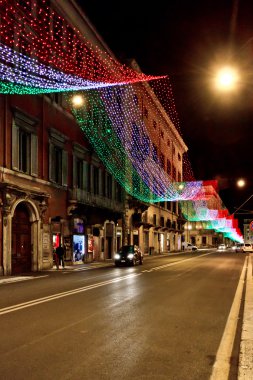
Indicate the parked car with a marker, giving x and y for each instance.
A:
(128, 255)
(189, 246)
(221, 247)
(247, 247)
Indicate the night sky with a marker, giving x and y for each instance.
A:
(186, 41)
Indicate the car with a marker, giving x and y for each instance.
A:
(189, 246)
(239, 247)
(221, 247)
(247, 247)
(128, 255)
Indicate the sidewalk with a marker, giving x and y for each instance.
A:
(245, 370)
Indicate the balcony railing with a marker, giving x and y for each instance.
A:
(85, 197)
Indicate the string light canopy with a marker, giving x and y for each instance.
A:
(113, 123)
(41, 53)
(47, 53)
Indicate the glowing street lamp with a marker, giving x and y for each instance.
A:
(226, 79)
(78, 100)
(241, 182)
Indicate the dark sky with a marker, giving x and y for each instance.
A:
(185, 40)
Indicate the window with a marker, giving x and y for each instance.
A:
(162, 159)
(154, 124)
(24, 144)
(174, 173)
(154, 219)
(162, 134)
(168, 167)
(24, 151)
(179, 157)
(145, 112)
(103, 175)
(79, 173)
(155, 153)
(95, 180)
(58, 158)
(109, 186)
(118, 192)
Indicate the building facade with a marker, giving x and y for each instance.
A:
(53, 187)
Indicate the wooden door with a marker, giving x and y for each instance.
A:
(21, 240)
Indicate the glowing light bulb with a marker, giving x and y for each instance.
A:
(226, 79)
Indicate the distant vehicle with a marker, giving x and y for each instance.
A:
(239, 247)
(128, 255)
(222, 247)
(247, 247)
(189, 246)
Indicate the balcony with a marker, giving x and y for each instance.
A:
(79, 196)
(139, 220)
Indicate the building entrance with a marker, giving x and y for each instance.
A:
(21, 240)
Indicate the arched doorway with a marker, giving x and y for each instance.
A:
(21, 260)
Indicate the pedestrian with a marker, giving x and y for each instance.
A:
(60, 256)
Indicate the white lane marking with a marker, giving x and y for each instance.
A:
(174, 263)
(20, 278)
(222, 364)
(38, 301)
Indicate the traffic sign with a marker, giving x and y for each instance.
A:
(251, 225)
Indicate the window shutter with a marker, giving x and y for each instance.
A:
(15, 146)
(64, 168)
(34, 155)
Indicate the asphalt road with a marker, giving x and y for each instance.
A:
(162, 320)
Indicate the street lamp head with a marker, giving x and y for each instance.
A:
(241, 182)
(78, 101)
(226, 79)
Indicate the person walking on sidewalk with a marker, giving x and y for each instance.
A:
(60, 256)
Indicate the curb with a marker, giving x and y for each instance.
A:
(245, 369)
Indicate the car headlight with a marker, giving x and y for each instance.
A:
(130, 256)
(116, 256)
